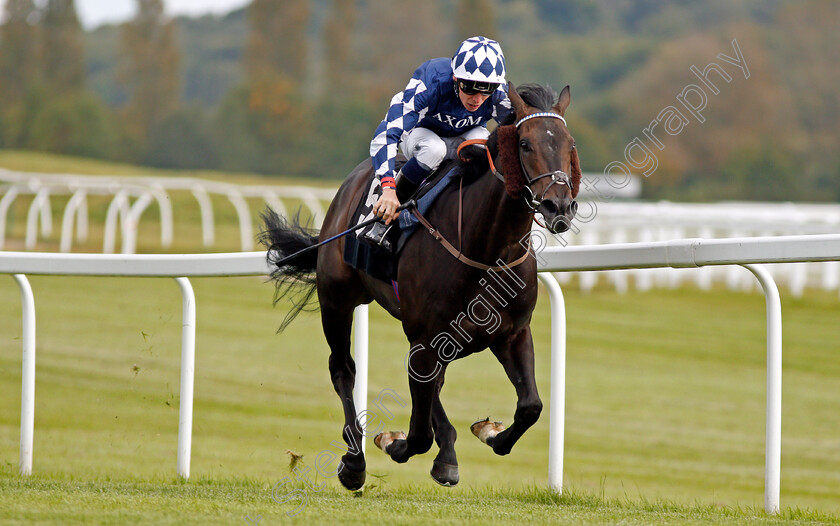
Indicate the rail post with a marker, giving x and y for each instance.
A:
(27, 397)
(185, 411)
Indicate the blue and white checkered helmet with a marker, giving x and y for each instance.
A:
(480, 59)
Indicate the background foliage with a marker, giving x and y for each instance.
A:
(297, 87)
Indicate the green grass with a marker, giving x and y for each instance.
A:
(238, 501)
(665, 403)
(664, 424)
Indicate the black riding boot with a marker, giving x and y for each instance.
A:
(405, 187)
(386, 236)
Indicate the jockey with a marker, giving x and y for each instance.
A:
(446, 102)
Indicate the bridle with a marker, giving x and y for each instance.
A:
(558, 177)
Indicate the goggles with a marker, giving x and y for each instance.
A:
(471, 87)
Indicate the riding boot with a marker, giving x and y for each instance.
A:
(405, 187)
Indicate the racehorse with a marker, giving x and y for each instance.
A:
(449, 308)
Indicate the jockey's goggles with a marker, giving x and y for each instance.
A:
(471, 87)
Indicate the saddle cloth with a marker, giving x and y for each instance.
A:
(371, 259)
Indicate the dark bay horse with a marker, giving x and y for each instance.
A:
(448, 309)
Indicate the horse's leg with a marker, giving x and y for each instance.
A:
(445, 466)
(337, 324)
(517, 357)
(424, 388)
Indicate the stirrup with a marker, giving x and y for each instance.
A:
(381, 235)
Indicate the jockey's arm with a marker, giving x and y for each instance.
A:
(407, 107)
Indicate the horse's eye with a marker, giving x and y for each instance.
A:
(574, 146)
(524, 145)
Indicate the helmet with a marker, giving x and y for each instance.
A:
(480, 59)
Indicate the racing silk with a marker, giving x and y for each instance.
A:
(431, 101)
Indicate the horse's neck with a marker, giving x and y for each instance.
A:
(495, 222)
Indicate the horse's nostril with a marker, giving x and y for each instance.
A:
(559, 225)
(573, 207)
(547, 207)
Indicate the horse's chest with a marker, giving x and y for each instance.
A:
(469, 316)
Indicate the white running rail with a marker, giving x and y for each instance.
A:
(748, 252)
(605, 216)
(145, 191)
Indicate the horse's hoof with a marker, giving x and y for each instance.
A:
(486, 430)
(350, 479)
(383, 440)
(445, 474)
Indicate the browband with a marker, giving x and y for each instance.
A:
(540, 114)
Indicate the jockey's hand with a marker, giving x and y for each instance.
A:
(387, 205)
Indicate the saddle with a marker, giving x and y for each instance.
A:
(370, 258)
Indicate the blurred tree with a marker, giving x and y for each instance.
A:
(277, 43)
(338, 41)
(342, 118)
(63, 54)
(766, 171)
(182, 139)
(750, 106)
(475, 17)
(19, 67)
(238, 146)
(570, 16)
(265, 128)
(806, 55)
(149, 69)
(270, 113)
(17, 119)
(19, 53)
(343, 130)
(75, 123)
(396, 38)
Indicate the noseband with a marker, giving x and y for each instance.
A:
(558, 177)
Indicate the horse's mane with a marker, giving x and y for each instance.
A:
(537, 96)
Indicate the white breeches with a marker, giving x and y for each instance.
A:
(430, 149)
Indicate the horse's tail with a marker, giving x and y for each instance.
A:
(295, 279)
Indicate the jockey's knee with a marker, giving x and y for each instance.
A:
(479, 132)
(430, 154)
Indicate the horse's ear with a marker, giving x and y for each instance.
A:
(563, 100)
(519, 105)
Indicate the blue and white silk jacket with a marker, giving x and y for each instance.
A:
(431, 101)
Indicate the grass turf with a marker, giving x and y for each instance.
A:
(664, 419)
(665, 410)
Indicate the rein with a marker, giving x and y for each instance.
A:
(457, 252)
(557, 177)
